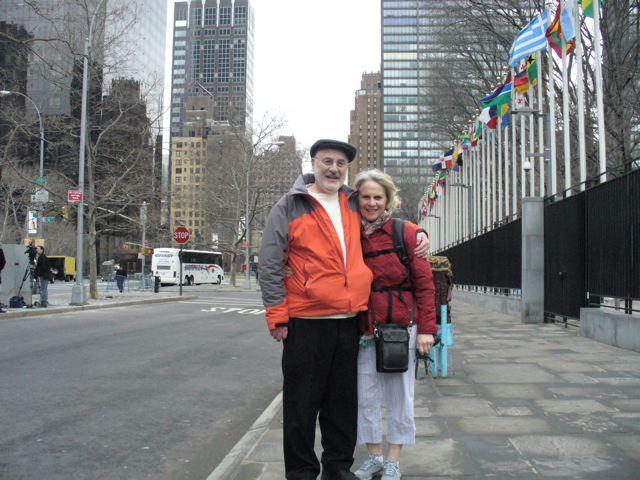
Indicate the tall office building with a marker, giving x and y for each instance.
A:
(213, 56)
(410, 55)
(131, 44)
(364, 125)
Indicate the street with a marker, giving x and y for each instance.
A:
(158, 391)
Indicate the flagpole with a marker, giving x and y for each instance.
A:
(492, 174)
(551, 94)
(540, 128)
(602, 161)
(565, 120)
(485, 179)
(514, 146)
(476, 187)
(506, 170)
(532, 147)
(580, 86)
(523, 157)
(499, 129)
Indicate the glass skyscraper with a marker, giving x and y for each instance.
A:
(410, 51)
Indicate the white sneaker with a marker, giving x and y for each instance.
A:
(391, 470)
(369, 468)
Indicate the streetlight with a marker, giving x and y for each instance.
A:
(78, 293)
(4, 93)
(247, 220)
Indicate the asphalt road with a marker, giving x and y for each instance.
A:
(153, 391)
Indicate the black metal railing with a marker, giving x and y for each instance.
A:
(492, 259)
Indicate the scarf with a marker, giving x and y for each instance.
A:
(370, 227)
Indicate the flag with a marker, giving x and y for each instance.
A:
(587, 7)
(500, 96)
(566, 20)
(436, 166)
(530, 39)
(532, 71)
(555, 34)
(448, 159)
(521, 82)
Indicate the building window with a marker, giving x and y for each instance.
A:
(196, 17)
(210, 16)
(225, 15)
(181, 14)
(207, 68)
(180, 33)
(240, 15)
(195, 56)
(224, 57)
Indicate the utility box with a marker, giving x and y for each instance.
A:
(15, 276)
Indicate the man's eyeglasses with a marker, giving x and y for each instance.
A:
(328, 162)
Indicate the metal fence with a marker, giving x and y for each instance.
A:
(492, 259)
(592, 247)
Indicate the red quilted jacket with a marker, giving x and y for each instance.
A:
(388, 270)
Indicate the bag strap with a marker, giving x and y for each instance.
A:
(397, 235)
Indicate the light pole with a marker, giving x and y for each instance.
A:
(78, 293)
(247, 220)
(143, 220)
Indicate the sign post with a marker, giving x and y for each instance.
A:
(181, 235)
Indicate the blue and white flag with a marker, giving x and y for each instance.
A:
(566, 20)
(531, 39)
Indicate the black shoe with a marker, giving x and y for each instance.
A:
(338, 476)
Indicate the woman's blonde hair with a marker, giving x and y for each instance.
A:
(382, 179)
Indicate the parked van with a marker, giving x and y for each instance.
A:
(63, 268)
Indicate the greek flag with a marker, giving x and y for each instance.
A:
(531, 39)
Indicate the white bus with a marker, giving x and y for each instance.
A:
(198, 266)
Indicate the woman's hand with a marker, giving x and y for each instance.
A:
(424, 342)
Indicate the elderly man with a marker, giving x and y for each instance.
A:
(314, 230)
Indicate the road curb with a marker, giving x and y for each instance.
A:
(227, 469)
(30, 312)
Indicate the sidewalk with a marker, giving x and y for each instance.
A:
(59, 301)
(524, 402)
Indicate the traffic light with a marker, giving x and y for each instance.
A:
(65, 212)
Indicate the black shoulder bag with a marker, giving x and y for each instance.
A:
(392, 340)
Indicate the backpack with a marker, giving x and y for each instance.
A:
(17, 302)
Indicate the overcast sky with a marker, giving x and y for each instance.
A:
(308, 61)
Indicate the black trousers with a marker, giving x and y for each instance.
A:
(319, 364)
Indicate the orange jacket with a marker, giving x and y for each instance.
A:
(299, 233)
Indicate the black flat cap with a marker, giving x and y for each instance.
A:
(323, 144)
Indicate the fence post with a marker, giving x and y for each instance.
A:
(532, 310)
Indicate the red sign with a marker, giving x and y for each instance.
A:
(181, 235)
(74, 196)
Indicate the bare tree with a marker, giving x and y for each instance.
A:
(237, 164)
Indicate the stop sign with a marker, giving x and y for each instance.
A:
(181, 235)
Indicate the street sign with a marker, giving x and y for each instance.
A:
(49, 219)
(41, 180)
(181, 235)
(74, 196)
(40, 195)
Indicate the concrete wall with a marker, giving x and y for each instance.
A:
(532, 261)
(617, 329)
(499, 303)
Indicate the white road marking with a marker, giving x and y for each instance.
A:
(242, 311)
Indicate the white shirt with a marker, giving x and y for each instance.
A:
(331, 204)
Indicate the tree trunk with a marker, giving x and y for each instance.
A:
(232, 281)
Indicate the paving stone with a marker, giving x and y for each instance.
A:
(251, 471)
(513, 411)
(503, 425)
(580, 407)
(437, 457)
(629, 404)
(629, 444)
(511, 373)
(427, 427)
(457, 391)
(273, 472)
(514, 391)
(462, 407)
(579, 378)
